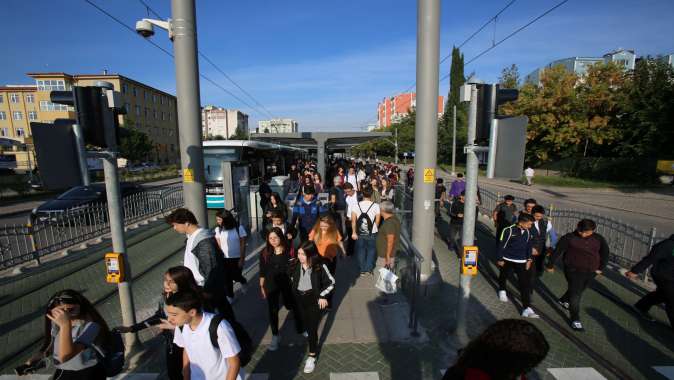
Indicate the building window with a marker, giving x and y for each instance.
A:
(127, 107)
(162, 100)
(30, 98)
(154, 114)
(135, 91)
(49, 106)
(125, 88)
(3, 115)
(170, 116)
(2, 98)
(4, 132)
(146, 95)
(51, 85)
(154, 98)
(163, 115)
(20, 132)
(14, 98)
(17, 115)
(137, 110)
(32, 115)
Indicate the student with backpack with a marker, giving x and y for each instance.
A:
(364, 221)
(275, 260)
(306, 212)
(312, 283)
(210, 345)
(231, 238)
(78, 339)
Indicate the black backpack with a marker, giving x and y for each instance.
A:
(364, 224)
(112, 356)
(245, 342)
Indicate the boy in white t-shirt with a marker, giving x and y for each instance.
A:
(364, 231)
(201, 359)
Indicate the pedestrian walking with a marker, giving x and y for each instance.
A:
(529, 205)
(275, 204)
(306, 212)
(440, 195)
(388, 237)
(275, 260)
(504, 215)
(529, 175)
(337, 205)
(318, 183)
(203, 257)
(506, 350)
(72, 327)
(542, 232)
(661, 261)
(312, 283)
(387, 191)
(456, 222)
(458, 187)
(352, 178)
(585, 254)
(514, 255)
(328, 240)
(265, 191)
(231, 238)
(202, 359)
(376, 186)
(364, 225)
(351, 204)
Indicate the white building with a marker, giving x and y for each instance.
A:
(217, 121)
(277, 126)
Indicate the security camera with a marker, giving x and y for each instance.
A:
(145, 28)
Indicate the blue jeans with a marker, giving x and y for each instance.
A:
(366, 252)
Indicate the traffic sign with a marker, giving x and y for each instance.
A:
(429, 175)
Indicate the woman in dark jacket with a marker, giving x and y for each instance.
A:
(275, 204)
(275, 263)
(312, 282)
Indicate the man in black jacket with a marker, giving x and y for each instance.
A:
(586, 254)
(661, 258)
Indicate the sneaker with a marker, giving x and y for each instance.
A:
(502, 296)
(529, 313)
(644, 314)
(305, 334)
(275, 342)
(563, 304)
(576, 325)
(310, 365)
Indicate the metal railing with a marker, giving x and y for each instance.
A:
(52, 231)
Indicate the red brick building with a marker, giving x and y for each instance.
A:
(393, 109)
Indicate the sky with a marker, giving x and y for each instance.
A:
(323, 63)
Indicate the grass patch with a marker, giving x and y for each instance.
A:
(562, 181)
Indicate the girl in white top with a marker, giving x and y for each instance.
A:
(231, 238)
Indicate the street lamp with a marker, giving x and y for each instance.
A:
(182, 32)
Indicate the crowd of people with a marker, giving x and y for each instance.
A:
(350, 216)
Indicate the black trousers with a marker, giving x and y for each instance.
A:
(455, 231)
(311, 316)
(523, 280)
(349, 243)
(174, 361)
(577, 282)
(233, 274)
(664, 293)
(274, 306)
(96, 372)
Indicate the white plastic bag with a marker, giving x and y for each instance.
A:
(386, 281)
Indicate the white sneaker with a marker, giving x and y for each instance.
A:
(305, 334)
(275, 342)
(502, 296)
(310, 365)
(529, 313)
(576, 325)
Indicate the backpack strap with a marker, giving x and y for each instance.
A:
(213, 330)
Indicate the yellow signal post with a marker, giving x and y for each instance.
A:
(114, 267)
(469, 260)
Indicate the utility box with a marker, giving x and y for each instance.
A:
(511, 142)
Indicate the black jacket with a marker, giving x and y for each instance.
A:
(211, 263)
(582, 254)
(661, 258)
(275, 270)
(322, 281)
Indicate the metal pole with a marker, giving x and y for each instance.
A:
(426, 134)
(491, 114)
(469, 215)
(320, 156)
(454, 144)
(396, 141)
(82, 154)
(189, 107)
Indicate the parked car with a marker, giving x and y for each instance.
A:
(76, 199)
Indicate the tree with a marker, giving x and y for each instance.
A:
(510, 77)
(240, 134)
(134, 145)
(445, 126)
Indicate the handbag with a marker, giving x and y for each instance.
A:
(386, 281)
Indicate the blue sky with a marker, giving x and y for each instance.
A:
(323, 63)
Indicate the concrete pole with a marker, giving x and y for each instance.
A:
(426, 134)
(320, 157)
(82, 154)
(396, 143)
(469, 214)
(454, 144)
(189, 107)
(491, 163)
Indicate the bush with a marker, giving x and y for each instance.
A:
(613, 169)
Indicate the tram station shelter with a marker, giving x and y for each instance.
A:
(324, 143)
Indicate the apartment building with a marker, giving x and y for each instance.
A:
(392, 109)
(218, 121)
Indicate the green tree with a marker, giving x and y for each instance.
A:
(510, 77)
(240, 134)
(134, 145)
(445, 126)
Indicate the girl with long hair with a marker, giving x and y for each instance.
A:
(376, 187)
(275, 204)
(387, 191)
(275, 260)
(328, 241)
(312, 282)
(231, 238)
(72, 330)
(318, 183)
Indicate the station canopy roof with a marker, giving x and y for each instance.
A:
(334, 141)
